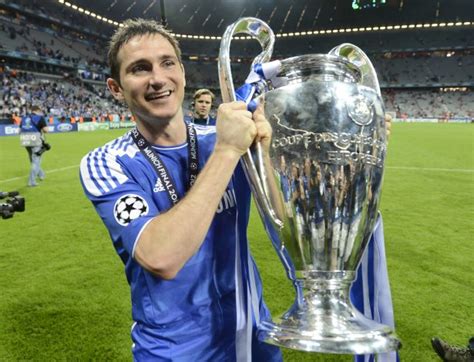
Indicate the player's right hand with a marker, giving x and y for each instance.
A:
(236, 128)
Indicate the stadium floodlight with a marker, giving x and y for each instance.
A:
(61, 1)
(74, 6)
(450, 24)
(67, 3)
(419, 25)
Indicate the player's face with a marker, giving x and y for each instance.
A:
(152, 79)
(202, 105)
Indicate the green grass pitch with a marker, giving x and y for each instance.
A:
(63, 293)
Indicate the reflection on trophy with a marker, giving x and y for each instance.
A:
(318, 187)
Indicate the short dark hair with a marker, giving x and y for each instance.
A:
(130, 29)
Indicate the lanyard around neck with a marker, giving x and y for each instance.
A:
(155, 160)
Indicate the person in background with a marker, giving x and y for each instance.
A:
(32, 129)
(203, 100)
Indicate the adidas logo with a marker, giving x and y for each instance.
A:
(158, 186)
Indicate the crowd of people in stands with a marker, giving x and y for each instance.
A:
(83, 92)
(62, 97)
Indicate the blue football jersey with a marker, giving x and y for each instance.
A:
(193, 316)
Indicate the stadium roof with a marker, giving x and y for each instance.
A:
(211, 17)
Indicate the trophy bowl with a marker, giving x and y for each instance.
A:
(317, 188)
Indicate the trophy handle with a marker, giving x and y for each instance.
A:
(356, 56)
(259, 30)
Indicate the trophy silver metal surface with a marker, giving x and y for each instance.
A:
(318, 187)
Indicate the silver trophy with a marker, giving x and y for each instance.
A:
(318, 187)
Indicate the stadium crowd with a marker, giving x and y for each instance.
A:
(68, 71)
(62, 97)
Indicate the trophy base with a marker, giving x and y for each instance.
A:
(339, 330)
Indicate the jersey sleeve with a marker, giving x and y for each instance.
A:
(123, 205)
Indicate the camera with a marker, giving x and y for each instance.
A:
(44, 147)
(14, 202)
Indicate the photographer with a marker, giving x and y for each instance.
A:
(32, 129)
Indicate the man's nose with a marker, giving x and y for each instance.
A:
(156, 79)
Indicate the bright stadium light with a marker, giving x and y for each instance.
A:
(362, 3)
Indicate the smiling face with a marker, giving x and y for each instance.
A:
(151, 79)
(202, 105)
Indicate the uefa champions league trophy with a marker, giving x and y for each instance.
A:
(318, 187)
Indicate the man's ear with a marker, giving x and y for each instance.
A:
(115, 89)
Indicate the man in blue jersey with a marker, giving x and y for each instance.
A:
(176, 205)
(32, 129)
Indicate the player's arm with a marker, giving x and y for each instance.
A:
(170, 239)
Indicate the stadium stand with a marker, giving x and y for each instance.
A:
(49, 57)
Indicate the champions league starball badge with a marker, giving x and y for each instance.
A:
(328, 148)
(360, 110)
(128, 208)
